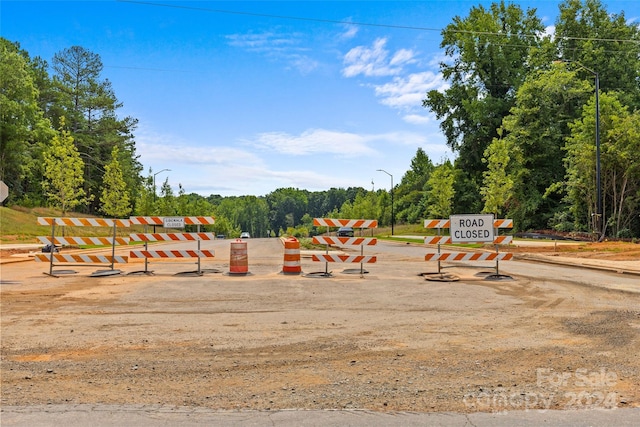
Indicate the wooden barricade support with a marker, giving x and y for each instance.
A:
(439, 240)
(80, 259)
(146, 254)
(347, 241)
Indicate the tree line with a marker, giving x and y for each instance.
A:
(521, 113)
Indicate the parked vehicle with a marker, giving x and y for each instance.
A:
(345, 232)
(50, 248)
(245, 235)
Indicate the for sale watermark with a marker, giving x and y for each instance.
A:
(572, 389)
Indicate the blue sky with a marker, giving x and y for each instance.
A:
(246, 102)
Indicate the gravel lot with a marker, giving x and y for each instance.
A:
(387, 341)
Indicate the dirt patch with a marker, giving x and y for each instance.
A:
(390, 341)
(615, 251)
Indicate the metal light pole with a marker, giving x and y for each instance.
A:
(392, 213)
(154, 181)
(599, 213)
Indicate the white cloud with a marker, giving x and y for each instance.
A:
(408, 92)
(374, 61)
(315, 141)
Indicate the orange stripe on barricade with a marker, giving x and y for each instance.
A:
(67, 241)
(437, 240)
(199, 220)
(445, 240)
(172, 254)
(164, 237)
(81, 258)
(436, 223)
(355, 223)
(470, 256)
(444, 223)
(369, 259)
(84, 222)
(146, 220)
(353, 241)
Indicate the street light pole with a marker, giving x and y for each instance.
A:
(392, 212)
(154, 182)
(599, 213)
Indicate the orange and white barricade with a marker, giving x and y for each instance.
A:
(493, 237)
(54, 242)
(171, 222)
(329, 240)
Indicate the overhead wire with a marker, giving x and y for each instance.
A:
(368, 24)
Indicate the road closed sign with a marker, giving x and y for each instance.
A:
(471, 228)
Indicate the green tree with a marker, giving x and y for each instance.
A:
(489, 52)
(63, 173)
(409, 194)
(498, 180)
(89, 104)
(440, 193)
(535, 132)
(115, 197)
(23, 128)
(620, 171)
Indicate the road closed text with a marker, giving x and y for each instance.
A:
(471, 228)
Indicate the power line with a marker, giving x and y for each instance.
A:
(363, 24)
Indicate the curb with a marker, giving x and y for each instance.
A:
(549, 260)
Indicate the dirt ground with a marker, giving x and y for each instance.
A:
(388, 341)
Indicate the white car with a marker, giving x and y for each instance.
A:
(245, 235)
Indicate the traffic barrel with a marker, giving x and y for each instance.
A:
(239, 259)
(292, 263)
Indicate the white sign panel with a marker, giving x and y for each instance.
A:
(4, 191)
(471, 228)
(173, 222)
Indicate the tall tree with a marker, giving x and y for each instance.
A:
(488, 53)
(536, 129)
(90, 105)
(498, 178)
(63, 172)
(607, 43)
(115, 197)
(620, 144)
(409, 194)
(439, 196)
(23, 128)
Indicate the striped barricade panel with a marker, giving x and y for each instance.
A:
(445, 223)
(444, 240)
(355, 223)
(79, 258)
(172, 254)
(146, 220)
(436, 223)
(349, 241)
(468, 256)
(199, 220)
(368, 259)
(158, 220)
(98, 241)
(175, 237)
(84, 222)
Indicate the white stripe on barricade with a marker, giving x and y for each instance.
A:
(349, 241)
(68, 241)
(164, 237)
(84, 222)
(82, 258)
(172, 254)
(444, 240)
(468, 256)
(355, 223)
(369, 259)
